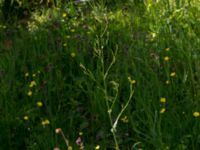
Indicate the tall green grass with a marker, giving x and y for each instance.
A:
(121, 77)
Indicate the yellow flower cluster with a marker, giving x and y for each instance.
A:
(70, 148)
(30, 93)
(167, 49)
(34, 75)
(32, 84)
(131, 80)
(26, 117)
(196, 114)
(173, 74)
(45, 122)
(97, 147)
(124, 119)
(80, 133)
(73, 54)
(167, 58)
(39, 104)
(167, 82)
(64, 15)
(162, 110)
(163, 101)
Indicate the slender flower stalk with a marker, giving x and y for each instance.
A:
(59, 130)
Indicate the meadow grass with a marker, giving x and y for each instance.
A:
(103, 76)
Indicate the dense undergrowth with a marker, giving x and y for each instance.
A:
(121, 75)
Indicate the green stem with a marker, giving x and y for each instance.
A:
(107, 99)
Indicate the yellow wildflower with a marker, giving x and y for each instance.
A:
(196, 114)
(124, 119)
(163, 100)
(166, 58)
(73, 55)
(30, 93)
(70, 148)
(33, 75)
(167, 49)
(33, 83)
(167, 82)
(39, 104)
(162, 110)
(173, 74)
(64, 15)
(80, 133)
(97, 147)
(131, 81)
(45, 122)
(26, 118)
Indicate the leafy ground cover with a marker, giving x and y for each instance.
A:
(114, 75)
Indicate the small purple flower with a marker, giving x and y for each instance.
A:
(78, 141)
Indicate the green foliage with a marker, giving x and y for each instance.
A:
(19, 10)
(75, 68)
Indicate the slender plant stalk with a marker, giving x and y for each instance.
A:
(109, 108)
